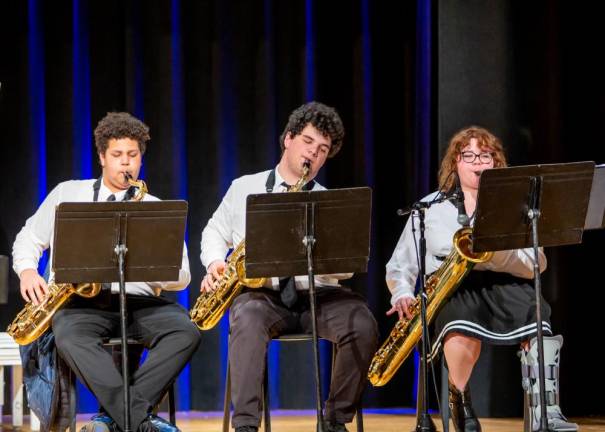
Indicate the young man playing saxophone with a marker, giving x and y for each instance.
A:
(82, 324)
(313, 134)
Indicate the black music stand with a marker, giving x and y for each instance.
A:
(308, 233)
(91, 241)
(532, 206)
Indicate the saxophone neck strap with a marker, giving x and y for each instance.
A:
(96, 187)
(270, 183)
(127, 196)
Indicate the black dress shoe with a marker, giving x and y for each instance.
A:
(246, 429)
(461, 410)
(334, 427)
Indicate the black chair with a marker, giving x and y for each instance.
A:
(135, 350)
(266, 410)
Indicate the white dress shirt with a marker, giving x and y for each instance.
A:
(440, 225)
(37, 235)
(227, 227)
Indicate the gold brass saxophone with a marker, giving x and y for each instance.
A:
(211, 306)
(439, 287)
(33, 320)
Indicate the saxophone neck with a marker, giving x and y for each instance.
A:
(139, 184)
(303, 178)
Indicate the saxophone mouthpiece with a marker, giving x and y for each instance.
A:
(307, 164)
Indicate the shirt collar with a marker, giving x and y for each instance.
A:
(278, 181)
(104, 192)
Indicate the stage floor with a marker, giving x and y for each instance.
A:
(195, 421)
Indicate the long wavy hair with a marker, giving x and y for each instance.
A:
(487, 142)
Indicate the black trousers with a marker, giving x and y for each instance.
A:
(343, 318)
(163, 326)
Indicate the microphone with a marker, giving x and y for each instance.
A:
(463, 218)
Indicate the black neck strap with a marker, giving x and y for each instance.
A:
(270, 183)
(96, 187)
(127, 196)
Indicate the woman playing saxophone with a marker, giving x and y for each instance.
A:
(494, 304)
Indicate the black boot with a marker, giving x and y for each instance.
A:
(461, 410)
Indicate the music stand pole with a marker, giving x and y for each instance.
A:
(120, 251)
(309, 242)
(423, 418)
(533, 214)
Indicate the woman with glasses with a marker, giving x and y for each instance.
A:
(494, 304)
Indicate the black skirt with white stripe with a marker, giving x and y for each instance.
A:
(497, 308)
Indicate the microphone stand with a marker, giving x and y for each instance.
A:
(424, 423)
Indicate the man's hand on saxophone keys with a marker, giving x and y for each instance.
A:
(213, 274)
(402, 307)
(33, 286)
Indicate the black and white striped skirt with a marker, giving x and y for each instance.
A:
(496, 308)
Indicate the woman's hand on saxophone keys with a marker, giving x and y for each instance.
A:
(402, 307)
(33, 286)
(213, 274)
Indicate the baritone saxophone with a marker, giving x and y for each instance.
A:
(211, 306)
(439, 287)
(34, 320)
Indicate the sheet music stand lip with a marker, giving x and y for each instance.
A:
(86, 234)
(501, 220)
(595, 215)
(275, 226)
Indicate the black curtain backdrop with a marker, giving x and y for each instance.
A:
(528, 72)
(216, 80)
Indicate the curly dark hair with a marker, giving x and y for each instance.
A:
(116, 125)
(324, 118)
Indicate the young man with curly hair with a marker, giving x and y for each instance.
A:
(80, 326)
(313, 134)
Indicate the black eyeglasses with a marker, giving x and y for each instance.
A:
(470, 157)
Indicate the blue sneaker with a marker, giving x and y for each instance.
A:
(102, 417)
(100, 423)
(158, 424)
